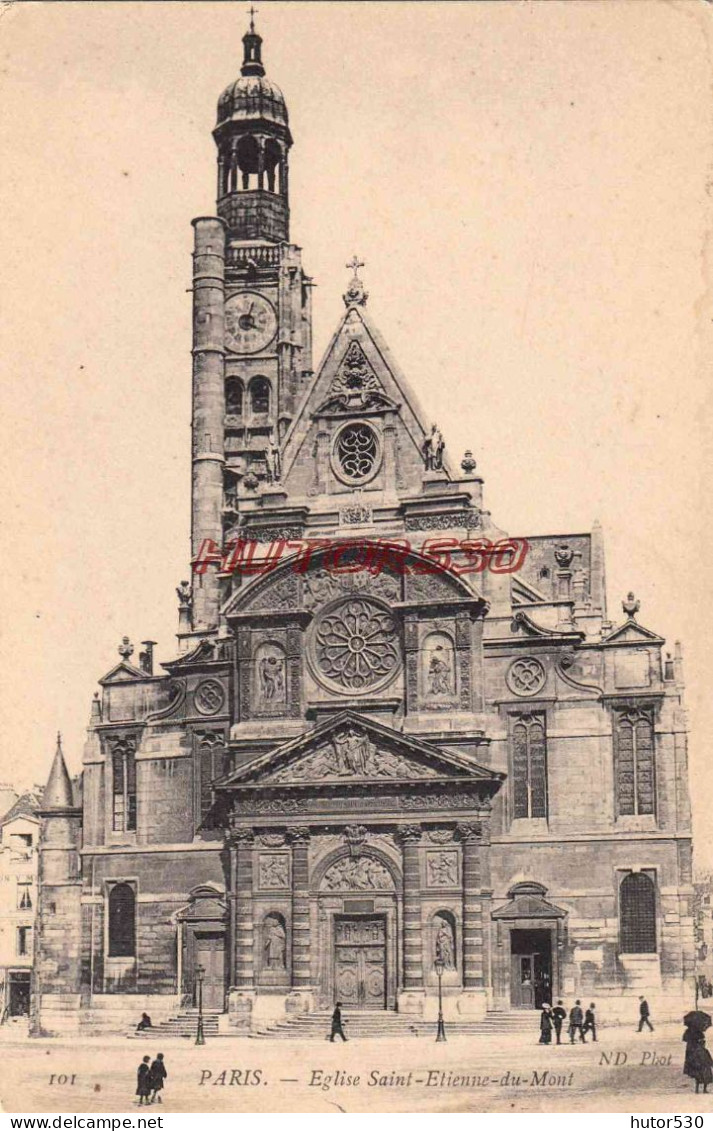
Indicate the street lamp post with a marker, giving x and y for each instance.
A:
(200, 973)
(439, 967)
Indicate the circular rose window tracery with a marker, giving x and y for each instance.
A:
(356, 453)
(526, 676)
(355, 645)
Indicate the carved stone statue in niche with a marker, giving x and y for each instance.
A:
(445, 943)
(270, 669)
(440, 674)
(274, 943)
(360, 874)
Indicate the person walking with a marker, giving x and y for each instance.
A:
(576, 1020)
(157, 1075)
(558, 1015)
(644, 1015)
(697, 1063)
(545, 1024)
(143, 1081)
(337, 1030)
(590, 1024)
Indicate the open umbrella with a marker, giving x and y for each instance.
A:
(697, 1019)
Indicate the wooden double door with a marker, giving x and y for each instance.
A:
(360, 961)
(210, 954)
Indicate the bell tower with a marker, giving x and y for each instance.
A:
(252, 320)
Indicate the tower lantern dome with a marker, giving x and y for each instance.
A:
(253, 139)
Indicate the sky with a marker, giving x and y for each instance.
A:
(529, 185)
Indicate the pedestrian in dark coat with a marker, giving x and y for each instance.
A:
(545, 1025)
(144, 1023)
(337, 1030)
(558, 1015)
(157, 1076)
(143, 1082)
(644, 1014)
(698, 1063)
(576, 1021)
(590, 1024)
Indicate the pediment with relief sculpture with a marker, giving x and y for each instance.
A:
(349, 749)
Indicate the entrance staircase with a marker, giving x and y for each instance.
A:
(184, 1024)
(383, 1023)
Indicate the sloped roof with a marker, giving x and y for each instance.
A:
(26, 805)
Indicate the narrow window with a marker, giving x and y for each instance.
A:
(529, 766)
(123, 788)
(24, 897)
(24, 937)
(234, 396)
(637, 914)
(635, 767)
(260, 396)
(122, 921)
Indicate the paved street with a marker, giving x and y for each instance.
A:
(466, 1074)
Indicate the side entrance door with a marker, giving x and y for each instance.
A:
(360, 961)
(210, 954)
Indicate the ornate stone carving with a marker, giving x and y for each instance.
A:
(409, 834)
(209, 697)
(356, 932)
(356, 453)
(355, 835)
(320, 586)
(272, 840)
(468, 519)
(273, 870)
(564, 555)
(357, 874)
(439, 801)
(355, 376)
(440, 836)
(125, 649)
(631, 606)
(350, 754)
(468, 462)
(442, 869)
(274, 942)
(242, 836)
(356, 514)
(431, 587)
(298, 833)
(270, 533)
(438, 671)
(355, 645)
(276, 597)
(470, 832)
(184, 594)
(526, 676)
(355, 295)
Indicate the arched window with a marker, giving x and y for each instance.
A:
(234, 396)
(260, 396)
(529, 766)
(248, 163)
(273, 155)
(635, 765)
(122, 921)
(637, 914)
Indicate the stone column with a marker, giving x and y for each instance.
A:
(473, 1000)
(301, 999)
(412, 998)
(241, 997)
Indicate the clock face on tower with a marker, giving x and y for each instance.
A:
(250, 322)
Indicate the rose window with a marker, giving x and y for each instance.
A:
(356, 645)
(356, 452)
(526, 676)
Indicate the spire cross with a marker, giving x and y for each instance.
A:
(354, 265)
(252, 12)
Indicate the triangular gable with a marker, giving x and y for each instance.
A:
(123, 673)
(350, 748)
(631, 632)
(376, 360)
(529, 907)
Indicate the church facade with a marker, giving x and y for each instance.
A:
(395, 744)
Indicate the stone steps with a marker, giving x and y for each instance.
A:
(185, 1024)
(316, 1026)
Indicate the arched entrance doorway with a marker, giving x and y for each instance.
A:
(357, 909)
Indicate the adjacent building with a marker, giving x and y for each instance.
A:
(19, 836)
(357, 771)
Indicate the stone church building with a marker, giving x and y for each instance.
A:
(390, 738)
